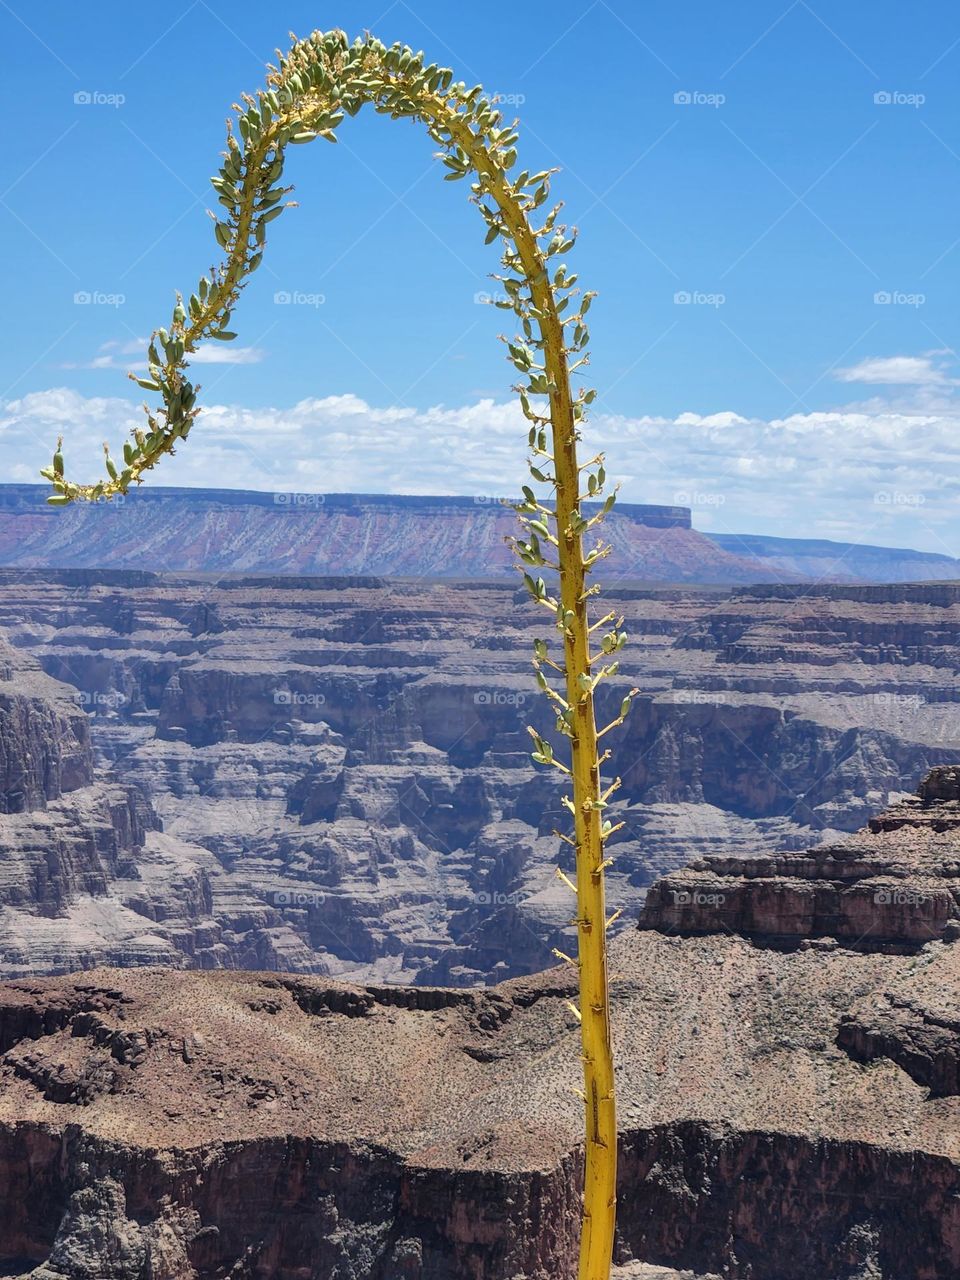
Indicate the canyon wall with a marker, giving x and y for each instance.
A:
(338, 772)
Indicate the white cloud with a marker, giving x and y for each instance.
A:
(896, 371)
(224, 353)
(119, 355)
(887, 474)
(132, 347)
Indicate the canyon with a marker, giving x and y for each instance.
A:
(278, 905)
(333, 776)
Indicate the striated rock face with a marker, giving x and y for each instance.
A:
(893, 886)
(86, 875)
(785, 1113)
(44, 737)
(342, 772)
(64, 831)
(230, 531)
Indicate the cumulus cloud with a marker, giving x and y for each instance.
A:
(133, 355)
(884, 474)
(114, 355)
(896, 371)
(225, 353)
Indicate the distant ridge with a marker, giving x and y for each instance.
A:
(351, 535)
(226, 531)
(33, 497)
(820, 559)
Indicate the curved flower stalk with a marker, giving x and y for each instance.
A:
(320, 81)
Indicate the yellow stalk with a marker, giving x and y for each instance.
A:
(321, 78)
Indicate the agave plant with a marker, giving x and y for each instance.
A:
(315, 85)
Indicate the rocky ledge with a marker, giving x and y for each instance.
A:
(788, 1112)
(894, 886)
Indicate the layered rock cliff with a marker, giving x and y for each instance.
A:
(232, 530)
(86, 875)
(789, 1105)
(342, 770)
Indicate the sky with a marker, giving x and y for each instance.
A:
(768, 201)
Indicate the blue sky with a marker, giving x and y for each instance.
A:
(793, 169)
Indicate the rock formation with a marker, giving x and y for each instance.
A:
(243, 531)
(230, 531)
(790, 1101)
(895, 886)
(820, 560)
(341, 772)
(86, 875)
